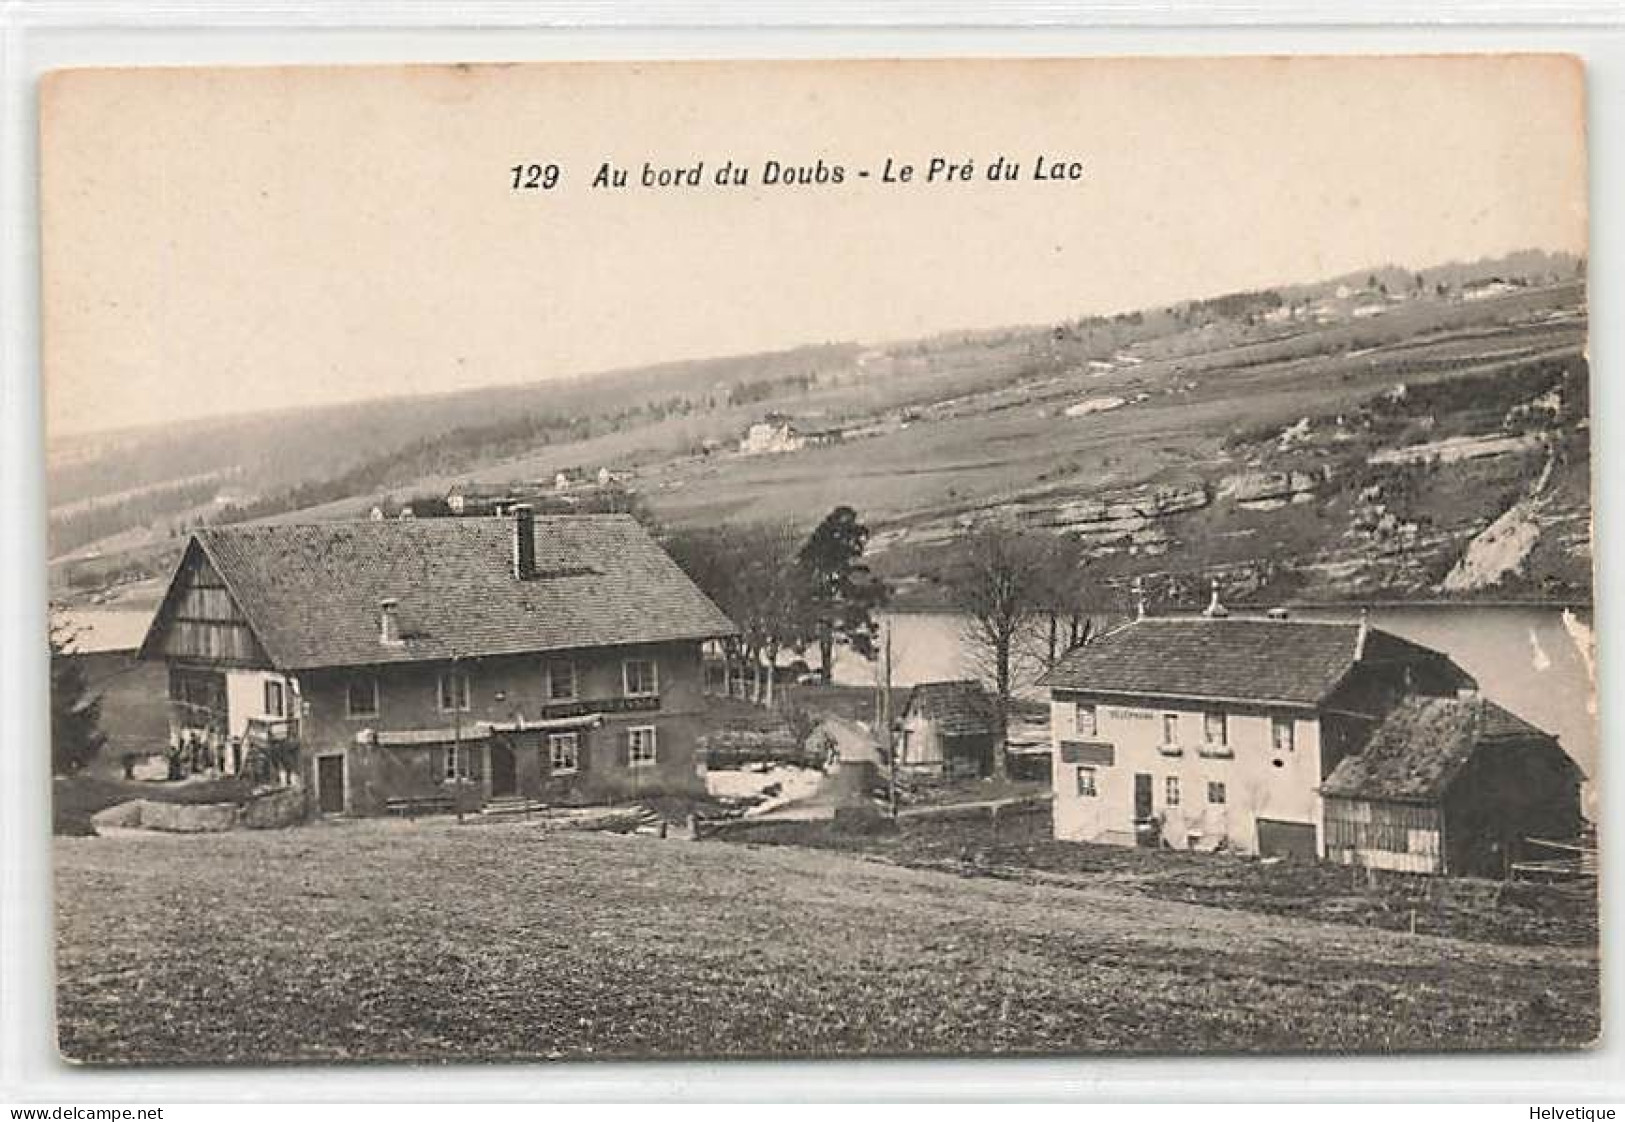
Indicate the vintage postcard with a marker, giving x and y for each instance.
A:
(811, 559)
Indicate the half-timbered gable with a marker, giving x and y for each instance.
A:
(200, 620)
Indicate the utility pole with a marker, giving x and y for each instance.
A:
(456, 739)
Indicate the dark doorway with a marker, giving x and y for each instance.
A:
(330, 784)
(1142, 797)
(504, 776)
(1286, 839)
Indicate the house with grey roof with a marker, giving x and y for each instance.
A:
(432, 664)
(1217, 732)
(1452, 785)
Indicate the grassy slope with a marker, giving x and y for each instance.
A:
(429, 942)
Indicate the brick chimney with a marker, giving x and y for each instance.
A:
(389, 622)
(524, 542)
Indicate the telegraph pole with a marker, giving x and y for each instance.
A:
(885, 714)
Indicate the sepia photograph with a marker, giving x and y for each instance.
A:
(820, 559)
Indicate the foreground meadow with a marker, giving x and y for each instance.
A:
(432, 942)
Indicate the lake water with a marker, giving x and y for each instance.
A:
(105, 629)
(1526, 659)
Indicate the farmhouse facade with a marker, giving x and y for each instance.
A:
(1215, 732)
(439, 663)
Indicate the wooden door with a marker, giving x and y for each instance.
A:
(504, 774)
(1286, 839)
(330, 784)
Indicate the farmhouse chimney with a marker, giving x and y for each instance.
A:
(524, 542)
(1214, 609)
(389, 622)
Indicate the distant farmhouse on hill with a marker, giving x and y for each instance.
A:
(439, 663)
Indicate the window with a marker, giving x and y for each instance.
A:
(564, 752)
(641, 746)
(454, 692)
(1086, 782)
(458, 763)
(1088, 722)
(1215, 793)
(1170, 791)
(1170, 728)
(561, 681)
(361, 698)
(639, 677)
(1281, 733)
(276, 699)
(1215, 729)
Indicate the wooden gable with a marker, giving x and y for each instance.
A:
(200, 620)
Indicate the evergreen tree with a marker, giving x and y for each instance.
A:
(76, 734)
(842, 593)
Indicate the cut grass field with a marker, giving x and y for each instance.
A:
(430, 942)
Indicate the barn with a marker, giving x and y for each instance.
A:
(948, 728)
(1450, 785)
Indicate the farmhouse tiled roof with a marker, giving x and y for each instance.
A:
(959, 708)
(311, 591)
(1262, 661)
(1422, 745)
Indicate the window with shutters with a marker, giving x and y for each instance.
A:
(1170, 735)
(641, 746)
(564, 752)
(1088, 721)
(458, 763)
(561, 681)
(361, 697)
(454, 692)
(639, 677)
(1086, 782)
(1282, 730)
(276, 699)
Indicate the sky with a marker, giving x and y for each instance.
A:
(221, 241)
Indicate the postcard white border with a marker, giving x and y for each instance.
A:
(41, 36)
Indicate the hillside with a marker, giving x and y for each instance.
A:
(434, 942)
(1289, 437)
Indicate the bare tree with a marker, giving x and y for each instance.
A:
(1004, 582)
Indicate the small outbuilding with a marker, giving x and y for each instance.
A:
(1450, 785)
(948, 728)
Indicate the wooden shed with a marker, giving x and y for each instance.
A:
(1452, 786)
(948, 728)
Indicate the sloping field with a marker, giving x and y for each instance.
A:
(436, 942)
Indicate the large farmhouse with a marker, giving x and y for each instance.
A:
(439, 662)
(1276, 737)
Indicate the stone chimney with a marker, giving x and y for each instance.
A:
(524, 542)
(1214, 609)
(389, 622)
